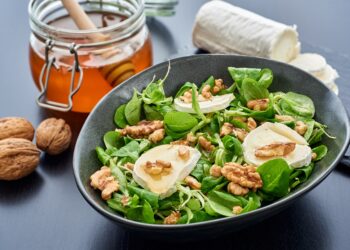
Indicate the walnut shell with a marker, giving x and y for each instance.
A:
(16, 127)
(53, 136)
(18, 158)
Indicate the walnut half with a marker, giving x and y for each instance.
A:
(228, 128)
(205, 144)
(258, 104)
(192, 182)
(242, 178)
(104, 181)
(275, 149)
(172, 218)
(143, 129)
(159, 167)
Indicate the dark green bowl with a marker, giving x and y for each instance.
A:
(329, 110)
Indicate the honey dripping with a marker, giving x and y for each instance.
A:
(102, 72)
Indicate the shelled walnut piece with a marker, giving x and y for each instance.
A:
(159, 167)
(173, 218)
(206, 94)
(157, 135)
(251, 124)
(300, 127)
(215, 171)
(183, 153)
(18, 158)
(187, 96)
(258, 104)
(242, 178)
(104, 181)
(237, 209)
(192, 182)
(228, 129)
(218, 86)
(53, 136)
(284, 118)
(16, 127)
(205, 144)
(275, 149)
(129, 166)
(144, 129)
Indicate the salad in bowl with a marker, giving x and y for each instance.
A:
(218, 150)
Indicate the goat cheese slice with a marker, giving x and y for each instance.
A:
(216, 103)
(270, 133)
(312, 63)
(165, 185)
(333, 86)
(328, 76)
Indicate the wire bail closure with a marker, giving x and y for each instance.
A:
(42, 100)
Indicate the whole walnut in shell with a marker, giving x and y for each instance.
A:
(16, 127)
(18, 158)
(53, 136)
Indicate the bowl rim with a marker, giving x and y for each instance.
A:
(166, 228)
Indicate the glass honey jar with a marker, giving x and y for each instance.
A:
(71, 69)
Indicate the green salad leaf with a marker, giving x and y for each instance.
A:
(152, 113)
(252, 90)
(222, 203)
(103, 156)
(275, 176)
(132, 110)
(150, 197)
(210, 182)
(232, 144)
(301, 175)
(201, 169)
(297, 105)
(119, 116)
(178, 121)
(320, 151)
(111, 139)
(131, 150)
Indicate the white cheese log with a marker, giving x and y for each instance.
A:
(223, 28)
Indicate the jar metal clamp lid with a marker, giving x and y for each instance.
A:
(66, 39)
(45, 75)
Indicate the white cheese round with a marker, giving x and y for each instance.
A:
(310, 62)
(328, 75)
(216, 103)
(333, 86)
(165, 185)
(270, 133)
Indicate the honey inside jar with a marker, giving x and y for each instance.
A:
(103, 66)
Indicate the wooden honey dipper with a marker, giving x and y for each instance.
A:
(113, 73)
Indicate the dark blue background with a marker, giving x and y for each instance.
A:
(46, 211)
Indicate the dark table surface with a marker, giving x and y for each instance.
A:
(46, 211)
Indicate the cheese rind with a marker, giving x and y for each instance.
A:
(270, 133)
(165, 185)
(216, 103)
